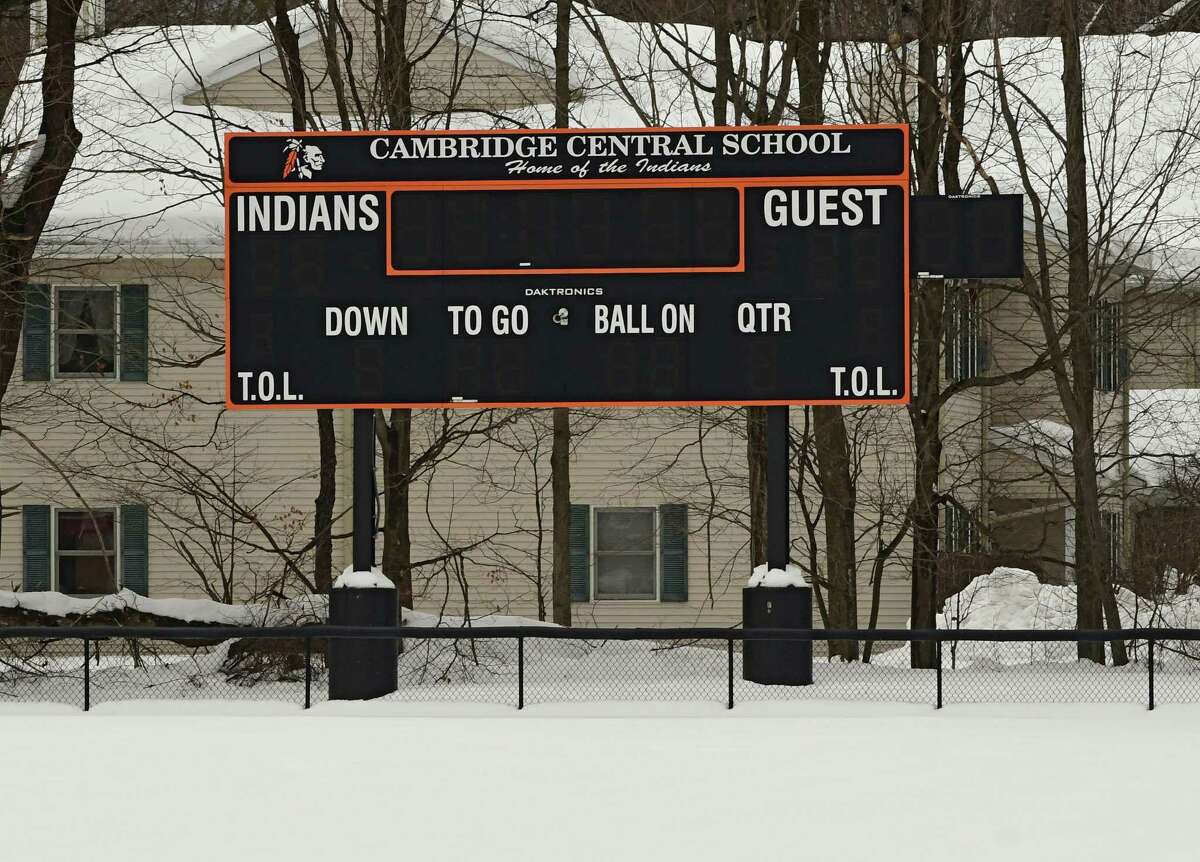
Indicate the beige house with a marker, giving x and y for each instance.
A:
(126, 471)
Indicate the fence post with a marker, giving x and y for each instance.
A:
(939, 674)
(307, 672)
(520, 673)
(87, 675)
(730, 703)
(1151, 645)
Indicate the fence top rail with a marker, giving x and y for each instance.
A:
(221, 633)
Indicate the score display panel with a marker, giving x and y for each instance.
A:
(576, 267)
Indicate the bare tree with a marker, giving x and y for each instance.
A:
(33, 169)
(560, 455)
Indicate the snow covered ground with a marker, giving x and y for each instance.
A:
(624, 751)
(603, 782)
(485, 671)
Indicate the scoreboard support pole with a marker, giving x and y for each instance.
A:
(778, 490)
(363, 551)
(361, 669)
(777, 662)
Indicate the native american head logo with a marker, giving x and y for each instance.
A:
(301, 160)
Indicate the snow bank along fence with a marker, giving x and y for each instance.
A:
(520, 665)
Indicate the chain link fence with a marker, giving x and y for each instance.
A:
(536, 665)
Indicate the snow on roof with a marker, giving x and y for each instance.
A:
(1164, 430)
(1164, 17)
(1048, 443)
(1141, 96)
(253, 47)
(147, 178)
(148, 174)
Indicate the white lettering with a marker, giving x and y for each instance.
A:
(282, 213)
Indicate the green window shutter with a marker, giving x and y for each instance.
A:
(135, 333)
(36, 547)
(581, 553)
(672, 548)
(135, 549)
(35, 335)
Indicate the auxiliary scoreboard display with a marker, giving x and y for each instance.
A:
(750, 265)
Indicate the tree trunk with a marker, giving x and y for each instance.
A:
(756, 465)
(830, 441)
(925, 533)
(27, 206)
(287, 45)
(560, 483)
(1092, 582)
(560, 451)
(930, 296)
(837, 490)
(396, 72)
(395, 437)
(324, 504)
(723, 63)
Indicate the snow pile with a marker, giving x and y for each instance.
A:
(792, 576)
(1010, 599)
(293, 611)
(187, 610)
(372, 580)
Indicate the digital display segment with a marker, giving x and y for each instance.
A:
(702, 275)
(497, 231)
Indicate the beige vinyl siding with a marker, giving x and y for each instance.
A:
(484, 494)
(1163, 333)
(271, 468)
(1040, 536)
(631, 458)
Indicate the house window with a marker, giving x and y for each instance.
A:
(85, 551)
(1109, 355)
(626, 560)
(962, 325)
(1113, 535)
(960, 531)
(85, 337)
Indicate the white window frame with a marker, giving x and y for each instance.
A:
(594, 555)
(55, 582)
(55, 374)
(1108, 339)
(1069, 541)
(966, 308)
(1113, 523)
(953, 517)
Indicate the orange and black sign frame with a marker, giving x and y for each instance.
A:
(567, 267)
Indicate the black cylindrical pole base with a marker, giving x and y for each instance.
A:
(777, 662)
(362, 668)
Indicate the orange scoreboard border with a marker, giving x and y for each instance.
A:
(387, 187)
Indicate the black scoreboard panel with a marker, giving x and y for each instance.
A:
(565, 229)
(969, 237)
(752, 291)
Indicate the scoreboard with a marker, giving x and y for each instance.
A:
(749, 265)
